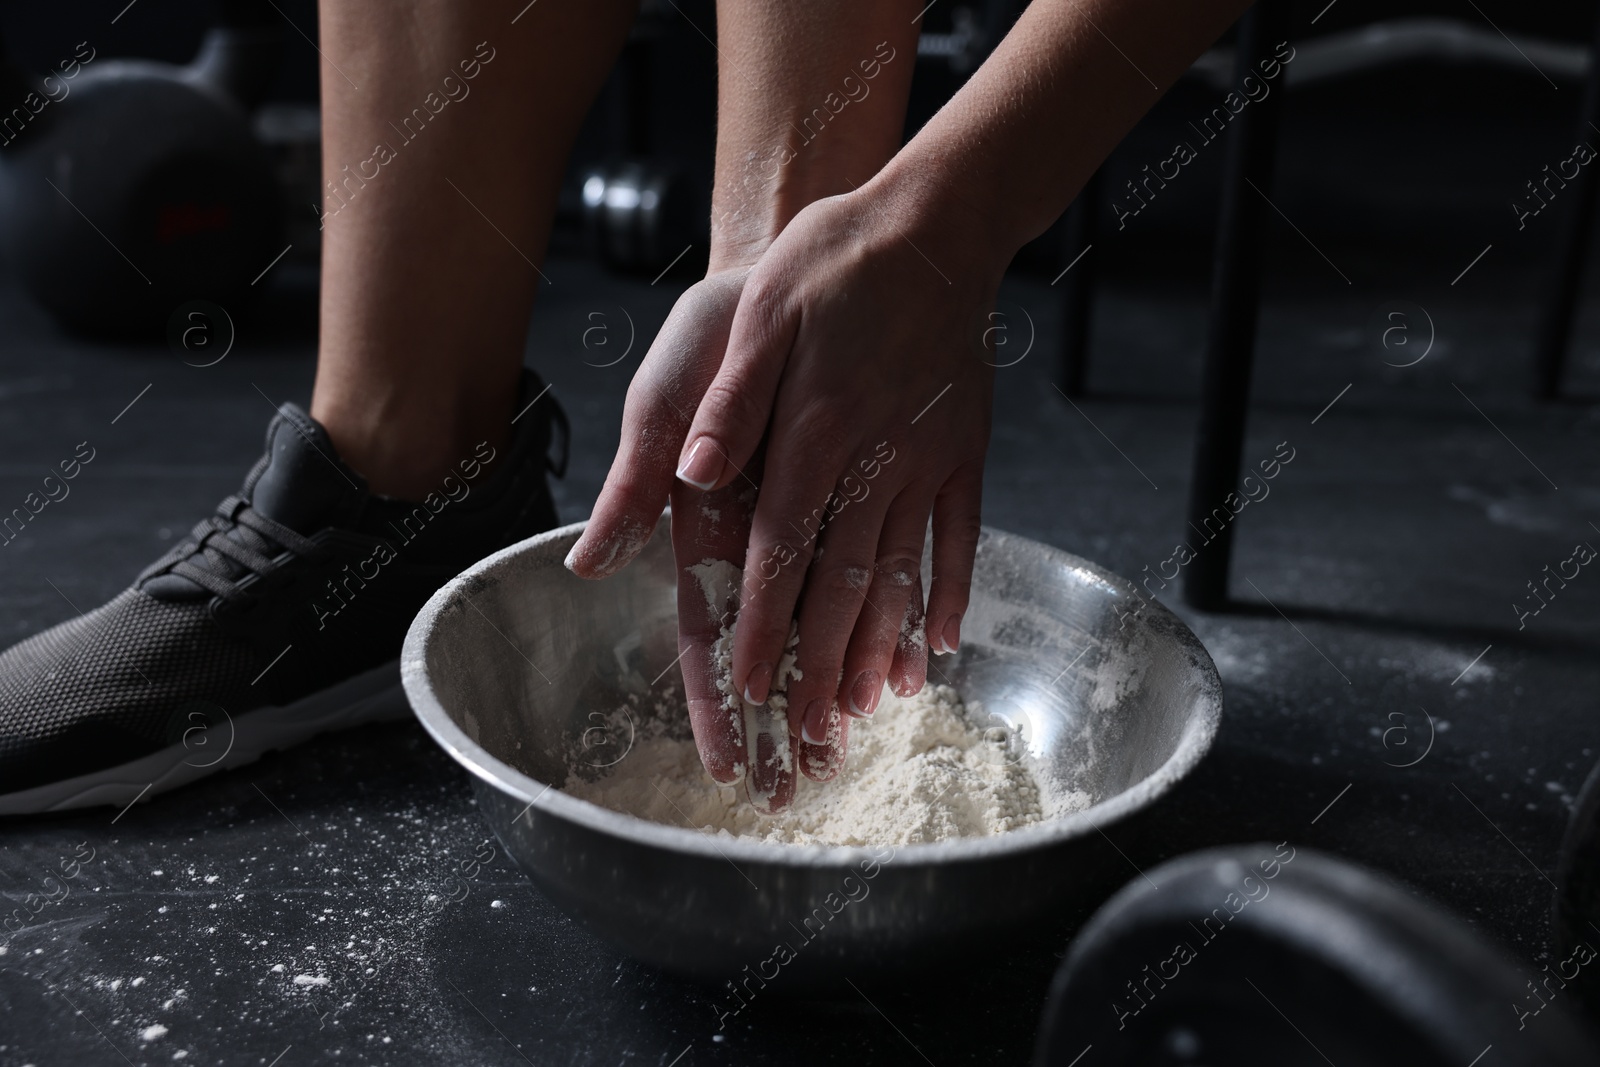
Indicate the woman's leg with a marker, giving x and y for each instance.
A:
(446, 129)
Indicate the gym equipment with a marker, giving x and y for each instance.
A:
(1235, 302)
(638, 216)
(1576, 919)
(1255, 954)
(131, 186)
(1572, 248)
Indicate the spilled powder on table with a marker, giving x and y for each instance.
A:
(918, 770)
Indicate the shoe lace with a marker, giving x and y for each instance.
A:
(216, 561)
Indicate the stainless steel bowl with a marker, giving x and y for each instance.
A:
(514, 665)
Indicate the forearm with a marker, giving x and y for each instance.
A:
(1010, 151)
(811, 102)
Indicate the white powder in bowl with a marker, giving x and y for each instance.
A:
(918, 770)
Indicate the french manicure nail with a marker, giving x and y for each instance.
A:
(702, 464)
(864, 694)
(822, 762)
(814, 724)
(757, 682)
(950, 637)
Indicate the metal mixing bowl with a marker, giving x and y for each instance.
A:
(516, 666)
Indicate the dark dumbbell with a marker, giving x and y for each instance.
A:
(1577, 904)
(1253, 955)
(131, 186)
(637, 216)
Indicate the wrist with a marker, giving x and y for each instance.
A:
(749, 212)
(755, 201)
(938, 210)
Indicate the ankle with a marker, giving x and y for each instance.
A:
(407, 453)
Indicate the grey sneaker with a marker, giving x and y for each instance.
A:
(279, 617)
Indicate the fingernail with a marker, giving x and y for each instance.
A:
(757, 682)
(822, 762)
(950, 636)
(864, 694)
(572, 556)
(814, 724)
(702, 464)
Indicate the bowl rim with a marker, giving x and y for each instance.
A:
(1194, 743)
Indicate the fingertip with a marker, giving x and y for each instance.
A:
(865, 693)
(719, 734)
(950, 634)
(769, 779)
(702, 464)
(814, 723)
(758, 683)
(723, 771)
(822, 761)
(600, 553)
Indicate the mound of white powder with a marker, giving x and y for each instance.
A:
(918, 770)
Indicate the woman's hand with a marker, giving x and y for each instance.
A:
(857, 360)
(858, 355)
(855, 392)
(662, 400)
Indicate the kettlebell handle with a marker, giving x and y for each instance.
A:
(240, 54)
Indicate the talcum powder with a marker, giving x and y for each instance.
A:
(921, 769)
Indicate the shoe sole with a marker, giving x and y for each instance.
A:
(373, 696)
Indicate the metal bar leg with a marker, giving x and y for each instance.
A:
(1572, 244)
(1077, 288)
(1231, 335)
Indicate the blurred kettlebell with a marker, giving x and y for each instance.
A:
(129, 187)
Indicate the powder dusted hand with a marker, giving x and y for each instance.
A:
(856, 393)
(856, 388)
(857, 356)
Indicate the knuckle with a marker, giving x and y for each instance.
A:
(899, 569)
(648, 414)
(961, 533)
(729, 403)
(819, 429)
(778, 563)
(839, 590)
(765, 301)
